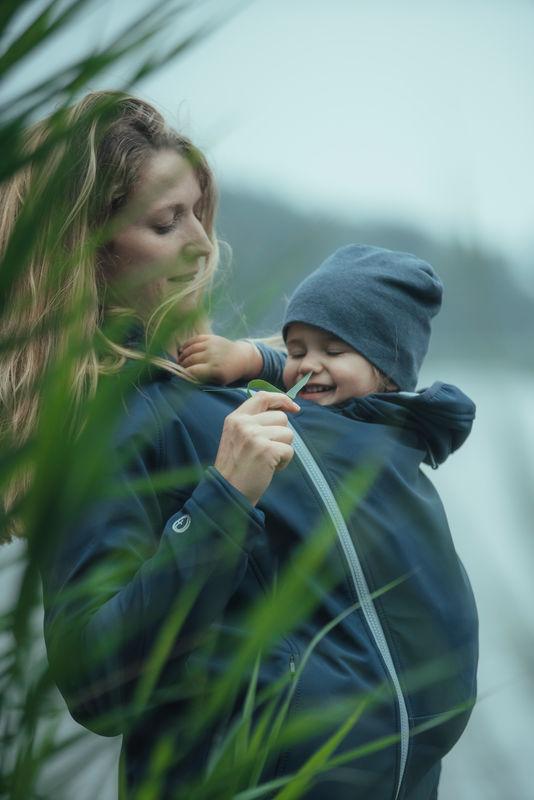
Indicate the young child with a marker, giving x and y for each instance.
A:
(360, 324)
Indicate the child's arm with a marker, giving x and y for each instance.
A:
(213, 358)
(208, 357)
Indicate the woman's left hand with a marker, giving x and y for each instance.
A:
(211, 358)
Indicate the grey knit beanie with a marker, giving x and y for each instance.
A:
(378, 301)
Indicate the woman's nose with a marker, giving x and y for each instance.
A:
(199, 243)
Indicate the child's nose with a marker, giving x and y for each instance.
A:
(310, 363)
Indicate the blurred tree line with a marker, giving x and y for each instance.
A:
(485, 317)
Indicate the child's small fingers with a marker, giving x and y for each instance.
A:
(188, 350)
(194, 340)
(193, 359)
(200, 337)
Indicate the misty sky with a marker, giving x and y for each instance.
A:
(414, 111)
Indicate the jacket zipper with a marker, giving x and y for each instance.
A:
(362, 590)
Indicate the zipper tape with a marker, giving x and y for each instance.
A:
(362, 590)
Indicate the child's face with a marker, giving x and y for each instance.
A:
(338, 371)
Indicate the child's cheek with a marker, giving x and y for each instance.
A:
(289, 374)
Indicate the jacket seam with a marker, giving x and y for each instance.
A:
(161, 450)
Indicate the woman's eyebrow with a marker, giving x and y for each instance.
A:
(179, 206)
(295, 341)
(169, 207)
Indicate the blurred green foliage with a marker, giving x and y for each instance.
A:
(67, 474)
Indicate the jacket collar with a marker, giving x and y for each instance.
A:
(135, 340)
(441, 414)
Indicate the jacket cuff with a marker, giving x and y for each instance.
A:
(223, 508)
(273, 363)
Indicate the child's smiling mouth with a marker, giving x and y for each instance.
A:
(315, 389)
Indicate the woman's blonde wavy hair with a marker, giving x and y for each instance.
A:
(79, 168)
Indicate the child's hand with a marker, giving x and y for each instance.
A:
(213, 358)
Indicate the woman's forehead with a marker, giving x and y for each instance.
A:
(167, 178)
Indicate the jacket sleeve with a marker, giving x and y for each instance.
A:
(127, 571)
(274, 362)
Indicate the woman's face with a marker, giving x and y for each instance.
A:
(163, 245)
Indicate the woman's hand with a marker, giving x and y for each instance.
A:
(256, 442)
(213, 358)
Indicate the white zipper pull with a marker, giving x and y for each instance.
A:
(292, 668)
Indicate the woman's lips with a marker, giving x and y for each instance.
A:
(183, 278)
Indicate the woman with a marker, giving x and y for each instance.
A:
(153, 587)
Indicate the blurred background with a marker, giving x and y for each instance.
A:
(408, 125)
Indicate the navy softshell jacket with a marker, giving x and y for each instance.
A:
(412, 649)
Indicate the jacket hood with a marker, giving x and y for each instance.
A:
(442, 415)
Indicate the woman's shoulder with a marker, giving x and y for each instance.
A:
(165, 407)
(143, 407)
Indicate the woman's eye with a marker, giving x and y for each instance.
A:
(295, 355)
(334, 352)
(162, 229)
(166, 227)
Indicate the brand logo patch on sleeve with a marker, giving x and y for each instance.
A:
(181, 524)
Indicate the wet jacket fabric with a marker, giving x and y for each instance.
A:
(412, 649)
